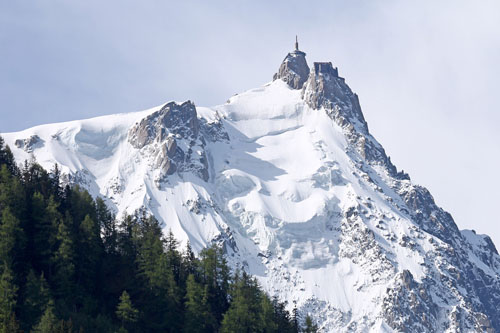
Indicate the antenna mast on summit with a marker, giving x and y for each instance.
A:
(296, 43)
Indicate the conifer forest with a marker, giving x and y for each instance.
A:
(67, 264)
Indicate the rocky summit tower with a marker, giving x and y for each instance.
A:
(294, 69)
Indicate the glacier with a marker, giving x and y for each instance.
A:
(289, 180)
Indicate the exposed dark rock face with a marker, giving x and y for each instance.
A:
(358, 243)
(326, 89)
(412, 306)
(428, 215)
(180, 119)
(214, 130)
(478, 286)
(171, 137)
(408, 307)
(293, 70)
(29, 144)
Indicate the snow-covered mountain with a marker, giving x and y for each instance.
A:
(289, 179)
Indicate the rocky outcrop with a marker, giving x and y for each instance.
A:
(293, 70)
(178, 119)
(408, 307)
(326, 89)
(451, 257)
(214, 130)
(428, 215)
(171, 138)
(29, 144)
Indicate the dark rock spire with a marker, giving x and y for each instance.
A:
(294, 69)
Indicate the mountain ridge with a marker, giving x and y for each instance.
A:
(289, 179)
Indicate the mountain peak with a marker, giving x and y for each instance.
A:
(288, 178)
(171, 137)
(294, 69)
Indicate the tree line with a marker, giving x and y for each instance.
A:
(68, 265)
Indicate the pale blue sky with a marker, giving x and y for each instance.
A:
(427, 72)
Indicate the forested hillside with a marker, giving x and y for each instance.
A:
(68, 265)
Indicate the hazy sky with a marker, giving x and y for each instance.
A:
(427, 72)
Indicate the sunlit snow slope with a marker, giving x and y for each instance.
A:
(289, 180)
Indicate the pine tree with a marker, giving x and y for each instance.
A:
(12, 244)
(2, 151)
(267, 316)
(65, 327)
(215, 275)
(124, 275)
(244, 312)
(55, 218)
(55, 181)
(11, 326)
(163, 303)
(48, 323)
(11, 238)
(310, 326)
(36, 298)
(64, 259)
(12, 193)
(173, 296)
(45, 218)
(295, 319)
(150, 253)
(197, 317)
(5, 187)
(80, 204)
(8, 296)
(88, 254)
(35, 179)
(127, 236)
(125, 311)
(7, 158)
(108, 227)
(282, 317)
(189, 263)
(173, 255)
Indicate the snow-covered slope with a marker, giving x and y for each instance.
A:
(289, 179)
